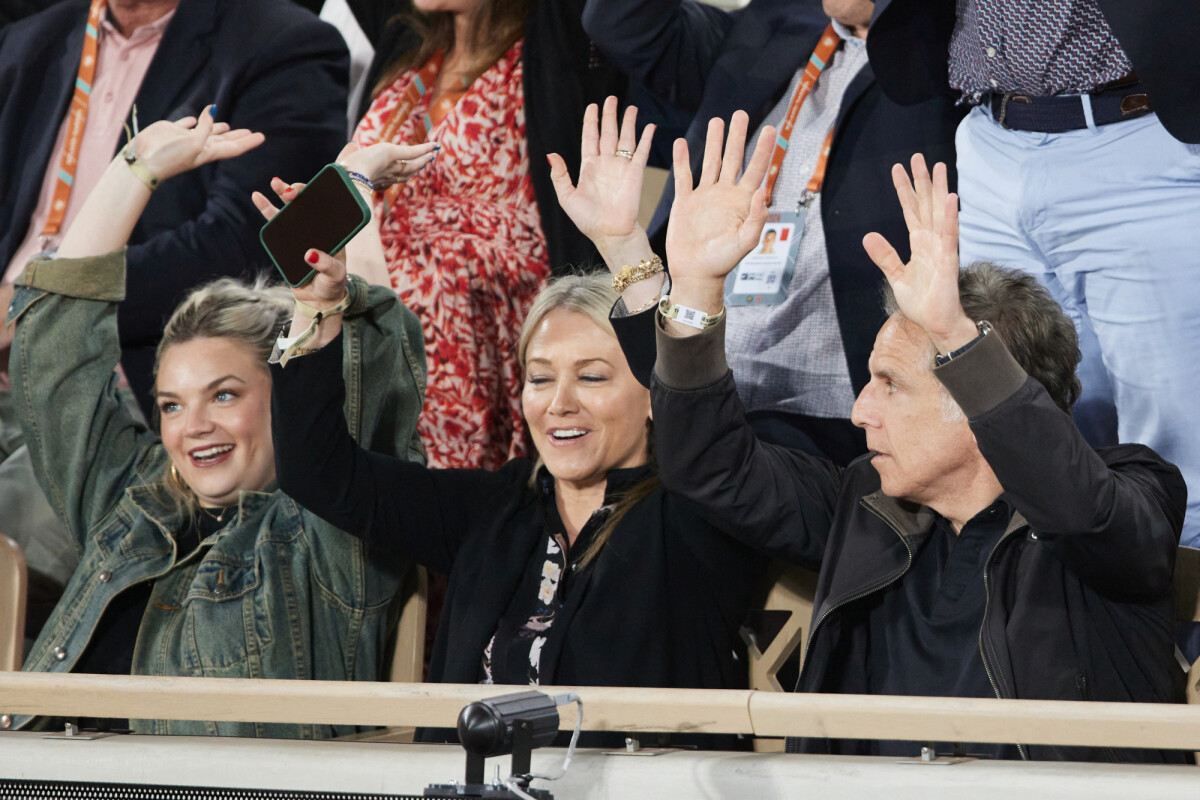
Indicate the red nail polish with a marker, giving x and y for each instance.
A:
(548, 161)
(313, 257)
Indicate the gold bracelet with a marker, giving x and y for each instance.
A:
(627, 276)
(646, 306)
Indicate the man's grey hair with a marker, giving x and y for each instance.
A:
(1032, 325)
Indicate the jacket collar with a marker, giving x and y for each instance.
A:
(877, 555)
(910, 520)
(619, 480)
(152, 499)
(913, 521)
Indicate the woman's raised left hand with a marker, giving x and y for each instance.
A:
(170, 148)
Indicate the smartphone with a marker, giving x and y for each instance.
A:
(325, 215)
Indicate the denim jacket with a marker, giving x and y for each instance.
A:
(277, 593)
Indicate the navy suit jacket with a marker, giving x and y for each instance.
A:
(712, 63)
(269, 65)
(910, 45)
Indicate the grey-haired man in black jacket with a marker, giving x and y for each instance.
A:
(982, 548)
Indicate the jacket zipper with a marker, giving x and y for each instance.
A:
(791, 744)
(987, 590)
(888, 580)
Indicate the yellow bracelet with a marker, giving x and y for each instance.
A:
(295, 346)
(140, 170)
(627, 276)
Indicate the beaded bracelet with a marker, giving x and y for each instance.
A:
(361, 180)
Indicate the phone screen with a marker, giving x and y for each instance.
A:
(324, 216)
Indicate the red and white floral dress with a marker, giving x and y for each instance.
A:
(466, 252)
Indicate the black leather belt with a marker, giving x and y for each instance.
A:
(1021, 112)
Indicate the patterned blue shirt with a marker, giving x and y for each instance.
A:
(789, 358)
(1035, 47)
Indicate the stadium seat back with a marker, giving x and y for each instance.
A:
(14, 586)
(408, 656)
(775, 636)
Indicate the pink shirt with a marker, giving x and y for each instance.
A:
(121, 63)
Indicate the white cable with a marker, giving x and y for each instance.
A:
(562, 700)
(518, 791)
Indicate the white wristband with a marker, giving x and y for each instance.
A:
(692, 317)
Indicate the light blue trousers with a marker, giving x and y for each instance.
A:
(1108, 219)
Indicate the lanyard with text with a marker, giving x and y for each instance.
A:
(77, 116)
(812, 70)
(762, 278)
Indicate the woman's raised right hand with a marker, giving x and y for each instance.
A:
(604, 205)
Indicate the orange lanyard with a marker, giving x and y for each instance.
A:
(812, 70)
(422, 83)
(77, 117)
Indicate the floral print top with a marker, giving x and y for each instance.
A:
(466, 252)
(513, 655)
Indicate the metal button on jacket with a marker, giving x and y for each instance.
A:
(5, 722)
(60, 654)
(105, 576)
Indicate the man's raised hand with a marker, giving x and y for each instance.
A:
(926, 288)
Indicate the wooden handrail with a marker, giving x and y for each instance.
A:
(612, 708)
(957, 719)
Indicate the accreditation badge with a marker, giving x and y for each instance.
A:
(762, 277)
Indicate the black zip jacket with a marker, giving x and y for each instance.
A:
(1079, 588)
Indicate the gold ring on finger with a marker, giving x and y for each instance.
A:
(625, 154)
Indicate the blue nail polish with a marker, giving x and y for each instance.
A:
(212, 111)
(437, 147)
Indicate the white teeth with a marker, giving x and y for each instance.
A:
(568, 434)
(212, 452)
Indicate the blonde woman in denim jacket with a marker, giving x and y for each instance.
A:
(193, 562)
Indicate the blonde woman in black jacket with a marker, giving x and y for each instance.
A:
(577, 568)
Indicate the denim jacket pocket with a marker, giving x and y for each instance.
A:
(227, 595)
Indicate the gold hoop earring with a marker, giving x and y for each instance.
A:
(174, 474)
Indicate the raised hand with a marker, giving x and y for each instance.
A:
(714, 225)
(604, 205)
(112, 208)
(363, 255)
(170, 148)
(328, 286)
(926, 288)
(385, 164)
